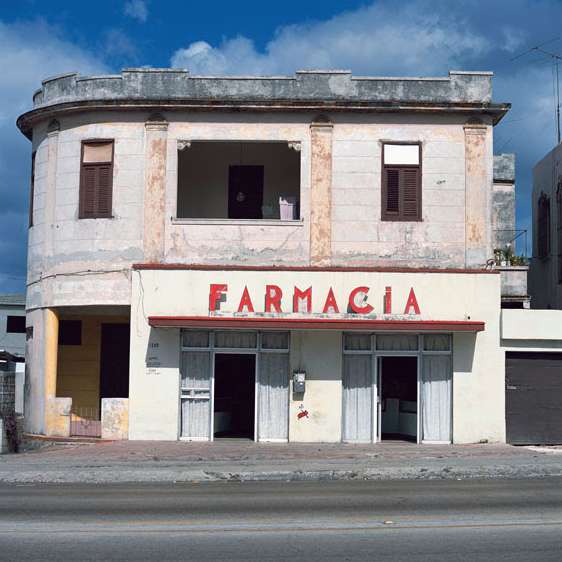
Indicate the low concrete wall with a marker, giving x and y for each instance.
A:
(521, 324)
(514, 281)
(59, 412)
(115, 418)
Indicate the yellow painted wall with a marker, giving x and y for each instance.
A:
(78, 374)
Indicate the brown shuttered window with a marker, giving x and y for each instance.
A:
(401, 182)
(96, 179)
(543, 227)
(32, 189)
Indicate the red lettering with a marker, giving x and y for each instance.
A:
(388, 300)
(331, 305)
(215, 295)
(412, 302)
(273, 296)
(299, 296)
(245, 302)
(357, 308)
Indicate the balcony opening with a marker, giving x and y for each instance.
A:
(239, 180)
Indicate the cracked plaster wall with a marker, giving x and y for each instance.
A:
(102, 250)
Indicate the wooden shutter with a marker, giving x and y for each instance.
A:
(104, 177)
(410, 194)
(392, 199)
(402, 193)
(96, 187)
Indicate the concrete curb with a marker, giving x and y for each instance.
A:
(121, 474)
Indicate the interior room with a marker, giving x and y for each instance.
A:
(238, 180)
(399, 395)
(234, 403)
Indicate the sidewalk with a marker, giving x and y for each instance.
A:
(240, 460)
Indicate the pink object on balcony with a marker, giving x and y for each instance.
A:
(287, 207)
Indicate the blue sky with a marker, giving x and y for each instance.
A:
(382, 37)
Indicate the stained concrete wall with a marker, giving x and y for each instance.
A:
(359, 236)
(87, 261)
(478, 361)
(60, 244)
(544, 286)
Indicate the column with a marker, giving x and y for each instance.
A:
(321, 192)
(478, 192)
(50, 363)
(156, 140)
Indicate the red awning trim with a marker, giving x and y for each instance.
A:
(308, 268)
(315, 324)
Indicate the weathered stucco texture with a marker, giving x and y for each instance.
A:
(479, 164)
(115, 418)
(65, 252)
(321, 194)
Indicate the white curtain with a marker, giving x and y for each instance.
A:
(397, 342)
(355, 342)
(436, 397)
(275, 340)
(236, 339)
(193, 338)
(437, 342)
(357, 398)
(196, 394)
(273, 397)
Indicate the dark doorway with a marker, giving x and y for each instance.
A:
(234, 395)
(114, 363)
(245, 192)
(398, 387)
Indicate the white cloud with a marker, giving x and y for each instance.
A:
(31, 51)
(136, 9)
(383, 38)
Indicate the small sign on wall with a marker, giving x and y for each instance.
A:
(153, 362)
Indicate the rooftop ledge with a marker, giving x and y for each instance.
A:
(172, 87)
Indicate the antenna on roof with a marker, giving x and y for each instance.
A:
(556, 59)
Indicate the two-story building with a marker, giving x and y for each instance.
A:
(282, 258)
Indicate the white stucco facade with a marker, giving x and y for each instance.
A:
(478, 361)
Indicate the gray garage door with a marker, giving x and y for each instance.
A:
(533, 398)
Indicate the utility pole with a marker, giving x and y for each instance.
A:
(556, 59)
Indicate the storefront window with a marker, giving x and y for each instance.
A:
(357, 342)
(437, 342)
(236, 339)
(191, 338)
(275, 340)
(397, 342)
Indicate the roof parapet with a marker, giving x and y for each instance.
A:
(305, 85)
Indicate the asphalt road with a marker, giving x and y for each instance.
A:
(425, 520)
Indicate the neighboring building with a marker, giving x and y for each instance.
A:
(12, 324)
(545, 277)
(510, 243)
(503, 201)
(298, 258)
